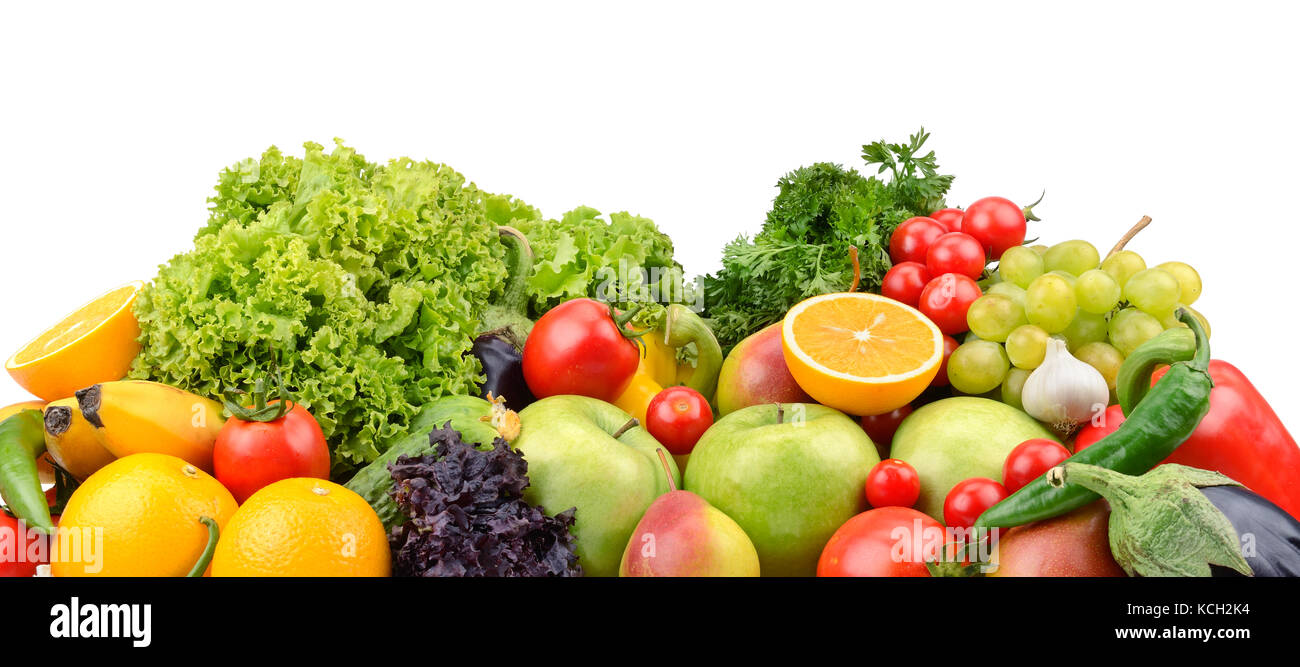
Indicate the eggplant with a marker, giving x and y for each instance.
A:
(503, 364)
(1270, 537)
(505, 328)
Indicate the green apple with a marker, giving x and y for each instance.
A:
(789, 474)
(958, 438)
(581, 453)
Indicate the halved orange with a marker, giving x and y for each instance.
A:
(860, 353)
(95, 344)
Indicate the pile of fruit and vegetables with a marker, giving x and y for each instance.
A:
(378, 369)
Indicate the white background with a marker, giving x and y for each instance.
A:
(117, 119)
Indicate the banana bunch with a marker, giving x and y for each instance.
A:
(115, 419)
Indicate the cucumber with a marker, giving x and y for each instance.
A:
(472, 417)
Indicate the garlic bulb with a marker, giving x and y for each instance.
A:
(1064, 391)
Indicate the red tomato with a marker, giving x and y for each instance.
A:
(248, 455)
(1029, 460)
(577, 348)
(20, 545)
(881, 428)
(893, 483)
(949, 345)
(677, 417)
(968, 500)
(1098, 428)
(904, 282)
(956, 252)
(912, 239)
(946, 299)
(997, 223)
(883, 542)
(950, 218)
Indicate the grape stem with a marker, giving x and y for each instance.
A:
(1128, 236)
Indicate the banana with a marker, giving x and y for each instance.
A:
(134, 416)
(71, 440)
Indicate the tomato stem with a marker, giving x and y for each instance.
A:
(262, 410)
(214, 533)
(1028, 211)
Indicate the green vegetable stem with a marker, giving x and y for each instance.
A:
(508, 317)
(1160, 524)
(22, 440)
(214, 534)
(1164, 419)
(1134, 379)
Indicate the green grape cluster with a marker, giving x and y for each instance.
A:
(1103, 309)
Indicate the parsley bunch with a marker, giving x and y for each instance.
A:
(820, 212)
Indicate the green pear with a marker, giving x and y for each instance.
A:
(585, 453)
(682, 535)
(789, 474)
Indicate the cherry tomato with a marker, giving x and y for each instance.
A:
(249, 455)
(882, 543)
(881, 428)
(912, 239)
(997, 223)
(950, 218)
(956, 252)
(577, 348)
(893, 483)
(968, 500)
(949, 345)
(677, 417)
(904, 282)
(1096, 429)
(1029, 460)
(946, 299)
(20, 545)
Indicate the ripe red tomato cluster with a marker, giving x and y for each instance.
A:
(937, 258)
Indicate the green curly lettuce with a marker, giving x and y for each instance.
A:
(624, 260)
(365, 283)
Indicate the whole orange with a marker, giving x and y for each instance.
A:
(303, 527)
(139, 516)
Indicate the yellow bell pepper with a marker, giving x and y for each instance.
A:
(658, 367)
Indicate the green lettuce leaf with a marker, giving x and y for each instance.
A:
(364, 283)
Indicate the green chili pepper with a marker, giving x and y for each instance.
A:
(1134, 379)
(205, 558)
(22, 440)
(1161, 422)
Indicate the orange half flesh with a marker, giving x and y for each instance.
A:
(94, 344)
(861, 353)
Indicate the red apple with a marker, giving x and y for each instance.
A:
(755, 373)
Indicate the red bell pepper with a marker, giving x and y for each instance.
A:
(1241, 437)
